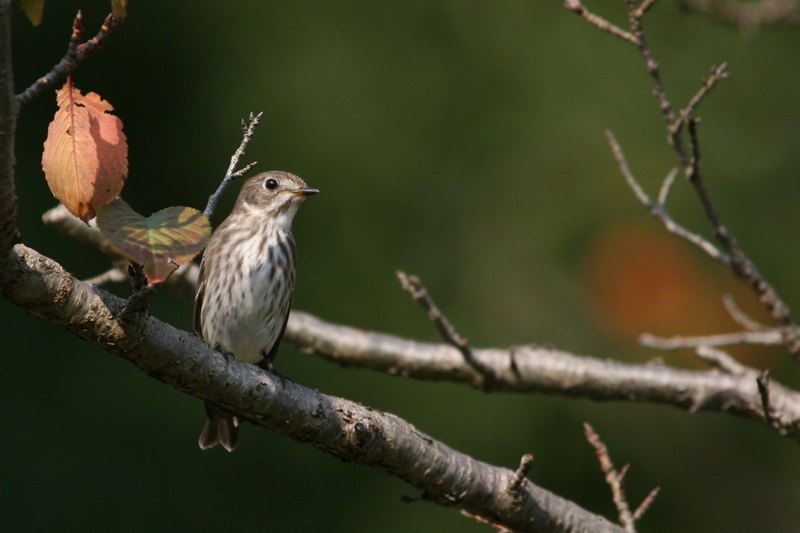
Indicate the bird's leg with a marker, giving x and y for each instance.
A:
(227, 355)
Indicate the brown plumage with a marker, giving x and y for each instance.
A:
(246, 282)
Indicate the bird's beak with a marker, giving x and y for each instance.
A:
(305, 191)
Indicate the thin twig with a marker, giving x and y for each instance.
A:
(736, 261)
(76, 54)
(112, 275)
(635, 17)
(414, 287)
(248, 128)
(637, 189)
(740, 264)
(740, 317)
(644, 7)
(646, 503)
(718, 74)
(481, 520)
(599, 22)
(616, 481)
(721, 360)
(666, 185)
(766, 338)
(658, 210)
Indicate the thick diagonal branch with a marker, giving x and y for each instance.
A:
(535, 369)
(337, 426)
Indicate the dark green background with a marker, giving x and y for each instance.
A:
(458, 140)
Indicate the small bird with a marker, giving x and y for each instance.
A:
(246, 283)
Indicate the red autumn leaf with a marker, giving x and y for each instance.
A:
(161, 242)
(85, 157)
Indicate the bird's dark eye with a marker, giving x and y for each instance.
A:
(270, 184)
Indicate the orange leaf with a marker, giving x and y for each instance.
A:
(161, 242)
(85, 157)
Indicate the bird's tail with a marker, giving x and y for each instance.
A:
(221, 427)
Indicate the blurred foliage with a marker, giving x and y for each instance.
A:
(458, 140)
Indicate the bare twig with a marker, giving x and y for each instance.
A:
(599, 22)
(658, 210)
(635, 16)
(666, 185)
(483, 521)
(414, 287)
(616, 482)
(717, 74)
(646, 503)
(719, 359)
(740, 317)
(644, 7)
(740, 264)
(112, 275)
(766, 338)
(248, 128)
(76, 54)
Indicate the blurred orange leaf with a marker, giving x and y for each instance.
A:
(85, 157)
(643, 279)
(161, 242)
